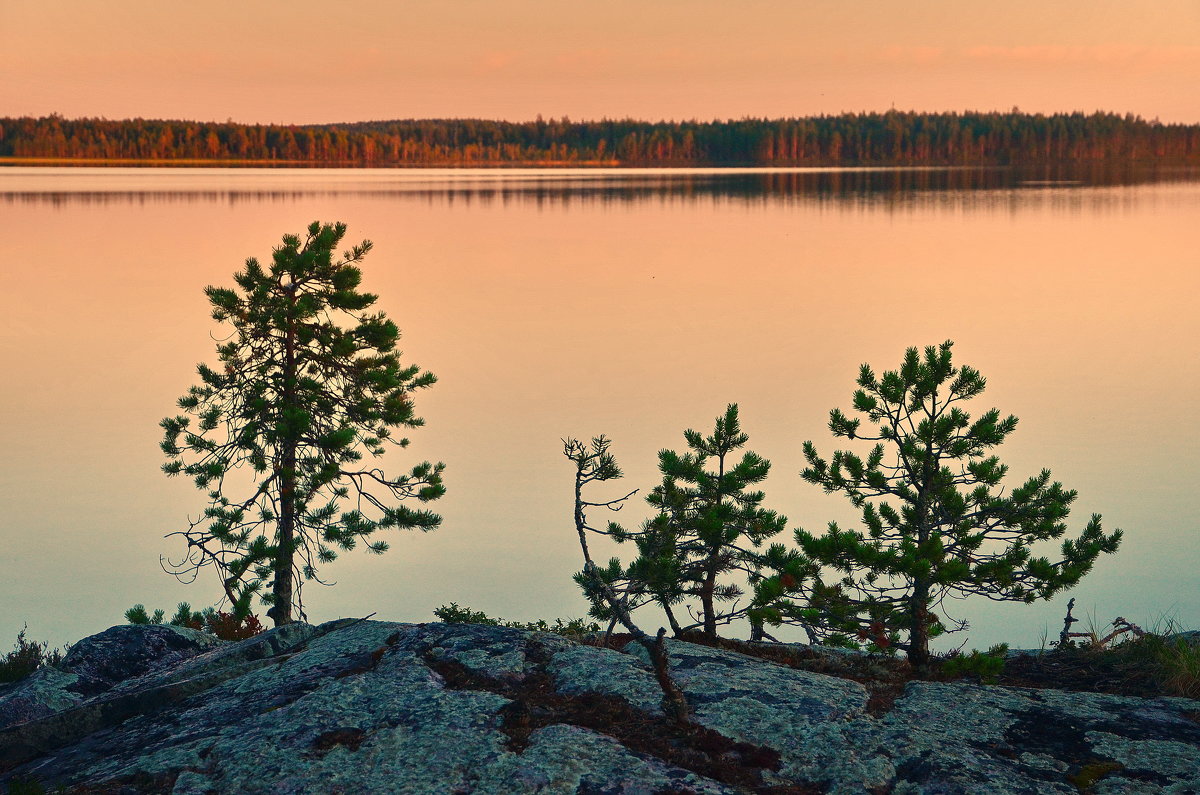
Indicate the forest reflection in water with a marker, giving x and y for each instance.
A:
(1058, 185)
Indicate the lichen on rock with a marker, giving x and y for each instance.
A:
(374, 706)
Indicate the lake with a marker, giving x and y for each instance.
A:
(633, 303)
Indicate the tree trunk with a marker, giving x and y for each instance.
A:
(281, 610)
(710, 576)
(918, 634)
(675, 628)
(674, 703)
(706, 601)
(918, 602)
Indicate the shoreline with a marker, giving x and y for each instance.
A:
(500, 165)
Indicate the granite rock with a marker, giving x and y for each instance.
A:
(381, 707)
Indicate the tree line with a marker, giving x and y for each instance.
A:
(892, 138)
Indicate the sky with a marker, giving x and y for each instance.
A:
(311, 61)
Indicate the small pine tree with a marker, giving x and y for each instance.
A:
(709, 524)
(296, 400)
(138, 615)
(934, 526)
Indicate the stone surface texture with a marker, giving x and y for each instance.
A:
(381, 707)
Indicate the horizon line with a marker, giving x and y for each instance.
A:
(565, 119)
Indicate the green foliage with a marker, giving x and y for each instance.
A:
(453, 614)
(790, 591)
(26, 657)
(709, 524)
(138, 615)
(984, 666)
(297, 400)
(936, 521)
(219, 624)
(574, 627)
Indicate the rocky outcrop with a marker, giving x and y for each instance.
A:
(96, 664)
(379, 707)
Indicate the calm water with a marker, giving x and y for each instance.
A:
(635, 304)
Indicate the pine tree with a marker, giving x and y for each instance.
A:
(936, 524)
(296, 400)
(708, 524)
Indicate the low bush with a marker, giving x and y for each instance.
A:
(26, 657)
(574, 627)
(1171, 658)
(984, 666)
(1179, 661)
(215, 622)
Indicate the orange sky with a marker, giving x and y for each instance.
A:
(298, 61)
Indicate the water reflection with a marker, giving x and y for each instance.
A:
(1059, 187)
(630, 303)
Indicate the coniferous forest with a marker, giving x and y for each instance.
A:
(892, 138)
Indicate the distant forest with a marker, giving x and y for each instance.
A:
(893, 138)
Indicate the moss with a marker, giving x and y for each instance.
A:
(1092, 772)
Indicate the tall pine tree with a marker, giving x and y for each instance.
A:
(935, 523)
(308, 381)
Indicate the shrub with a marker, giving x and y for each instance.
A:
(227, 626)
(984, 666)
(709, 524)
(219, 624)
(1172, 658)
(574, 627)
(26, 657)
(1179, 661)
